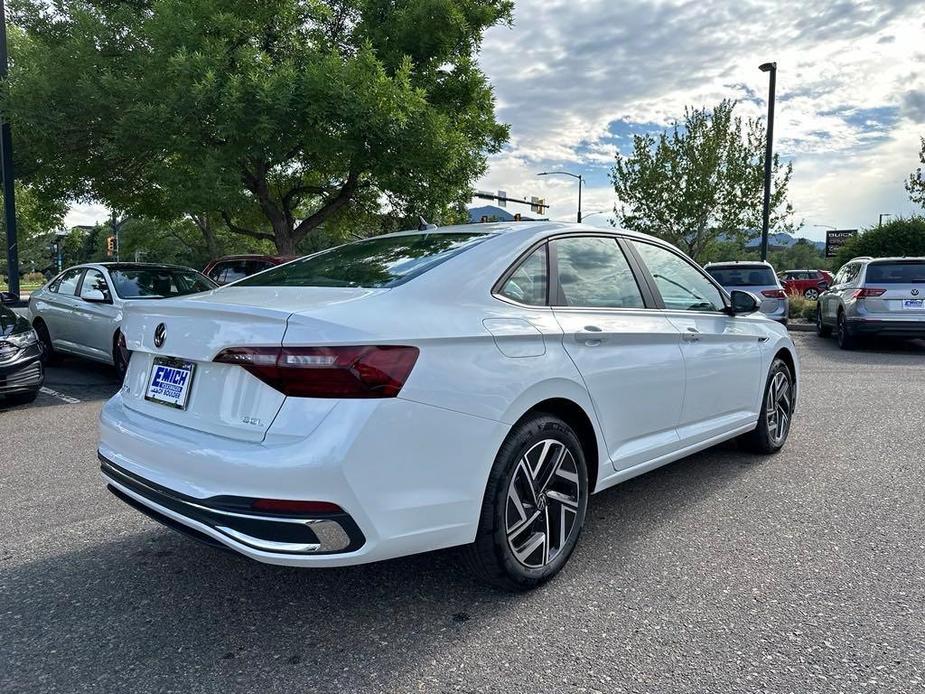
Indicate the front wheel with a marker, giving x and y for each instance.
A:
(822, 330)
(534, 506)
(770, 435)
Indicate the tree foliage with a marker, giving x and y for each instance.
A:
(271, 117)
(701, 182)
(37, 218)
(898, 237)
(915, 184)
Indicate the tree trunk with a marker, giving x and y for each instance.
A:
(213, 247)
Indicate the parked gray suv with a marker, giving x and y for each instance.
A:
(874, 296)
(757, 277)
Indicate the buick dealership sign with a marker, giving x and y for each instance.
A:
(836, 238)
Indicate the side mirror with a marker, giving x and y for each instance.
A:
(8, 298)
(743, 302)
(93, 295)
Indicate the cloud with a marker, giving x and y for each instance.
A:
(577, 78)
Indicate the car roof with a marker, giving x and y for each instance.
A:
(741, 264)
(112, 265)
(891, 259)
(525, 229)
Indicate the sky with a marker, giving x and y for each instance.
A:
(576, 79)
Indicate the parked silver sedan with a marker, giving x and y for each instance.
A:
(80, 311)
(757, 277)
(874, 296)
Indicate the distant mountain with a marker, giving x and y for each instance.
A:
(783, 240)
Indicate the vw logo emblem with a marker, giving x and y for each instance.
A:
(915, 292)
(160, 335)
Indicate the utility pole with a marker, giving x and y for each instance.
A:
(766, 213)
(568, 173)
(6, 171)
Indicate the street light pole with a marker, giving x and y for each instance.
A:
(766, 213)
(6, 171)
(568, 173)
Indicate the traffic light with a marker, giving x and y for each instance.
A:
(110, 245)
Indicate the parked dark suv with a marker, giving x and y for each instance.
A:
(21, 373)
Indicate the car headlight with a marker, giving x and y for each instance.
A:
(11, 344)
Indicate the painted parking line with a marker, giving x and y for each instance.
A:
(61, 396)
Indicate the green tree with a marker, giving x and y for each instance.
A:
(898, 237)
(37, 218)
(701, 182)
(273, 116)
(915, 184)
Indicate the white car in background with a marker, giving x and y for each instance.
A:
(470, 385)
(79, 312)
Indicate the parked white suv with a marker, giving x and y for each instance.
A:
(79, 312)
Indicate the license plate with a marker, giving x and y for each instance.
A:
(914, 304)
(170, 382)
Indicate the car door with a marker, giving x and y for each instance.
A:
(628, 352)
(841, 287)
(97, 320)
(722, 353)
(57, 308)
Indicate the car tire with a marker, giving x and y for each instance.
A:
(118, 357)
(811, 294)
(540, 473)
(48, 350)
(776, 415)
(822, 330)
(843, 334)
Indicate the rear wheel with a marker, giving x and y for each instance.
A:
(811, 294)
(119, 355)
(770, 435)
(845, 339)
(534, 506)
(822, 330)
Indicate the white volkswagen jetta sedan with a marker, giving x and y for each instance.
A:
(465, 386)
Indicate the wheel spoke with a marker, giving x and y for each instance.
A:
(535, 542)
(561, 498)
(519, 527)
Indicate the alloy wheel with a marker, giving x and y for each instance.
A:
(811, 294)
(779, 407)
(542, 503)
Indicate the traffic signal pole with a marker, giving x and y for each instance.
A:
(6, 171)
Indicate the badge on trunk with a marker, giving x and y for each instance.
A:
(160, 335)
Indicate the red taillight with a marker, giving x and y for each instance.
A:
(774, 293)
(295, 507)
(327, 372)
(867, 292)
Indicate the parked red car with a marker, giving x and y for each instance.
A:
(235, 267)
(808, 283)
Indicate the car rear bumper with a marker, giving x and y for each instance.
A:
(888, 327)
(23, 373)
(409, 478)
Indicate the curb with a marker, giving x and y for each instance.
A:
(801, 327)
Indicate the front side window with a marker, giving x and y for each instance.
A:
(94, 280)
(157, 283)
(527, 284)
(594, 273)
(385, 261)
(682, 286)
(851, 272)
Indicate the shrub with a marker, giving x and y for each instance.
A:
(803, 308)
(902, 236)
(33, 278)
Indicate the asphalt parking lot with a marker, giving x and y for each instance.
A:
(725, 572)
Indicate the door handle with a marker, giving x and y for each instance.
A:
(692, 335)
(590, 335)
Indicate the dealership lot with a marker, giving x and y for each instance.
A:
(724, 572)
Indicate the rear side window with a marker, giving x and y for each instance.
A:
(594, 273)
(377, 262)
(234, 270)
(896, 273)
(754, 276)
(66, 284)
(527, 284)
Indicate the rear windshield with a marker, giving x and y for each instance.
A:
(896, 273)
(158, 283)
(755, 276)
(376, 262)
